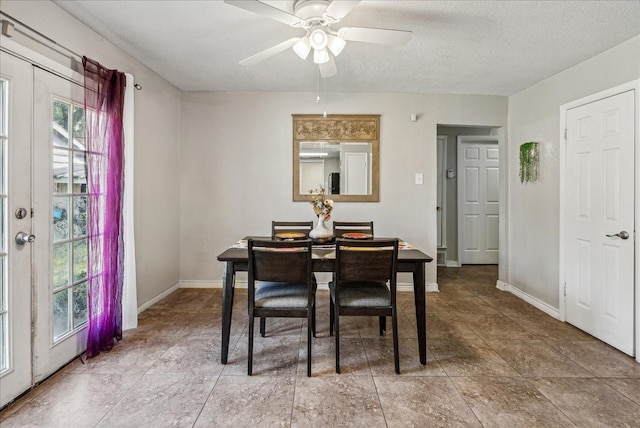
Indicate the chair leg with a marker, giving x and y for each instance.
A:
(250, 351)
(331, 315)
(396, 349)
(309, 322)
(337, 333)
(383, 325)
(262, 326)
(313, 318)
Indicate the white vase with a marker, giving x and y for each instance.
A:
(320, 233)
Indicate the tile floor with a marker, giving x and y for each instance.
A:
(493, 361)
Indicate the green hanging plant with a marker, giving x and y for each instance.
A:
(529, 162)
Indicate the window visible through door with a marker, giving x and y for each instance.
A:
(69, 219)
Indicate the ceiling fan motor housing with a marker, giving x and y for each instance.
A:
(306, 9)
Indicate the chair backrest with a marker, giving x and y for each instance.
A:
(342, 227)
(366, 260)
(279, 261)
(285, 227)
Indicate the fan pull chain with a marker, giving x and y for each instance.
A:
(318, 88)
(325, 95)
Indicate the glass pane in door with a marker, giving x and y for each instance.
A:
(69, 219)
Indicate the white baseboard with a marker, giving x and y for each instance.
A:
(549, 310)
(201, 284)
(159, 297)
(453, 264)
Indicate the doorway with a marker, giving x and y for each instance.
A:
(598, 197)
(448, 179)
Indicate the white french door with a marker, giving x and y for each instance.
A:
(599, 219)
(16, 79)
(59, 199)
(478, 200)
(44, 303)
(356, 173)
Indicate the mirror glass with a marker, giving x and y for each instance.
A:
(345, 162)
(341, 168)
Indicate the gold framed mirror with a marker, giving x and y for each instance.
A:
(341, 153)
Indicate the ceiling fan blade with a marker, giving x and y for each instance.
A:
(328, 69)
(263, 9)
(339, 9)
(375, 35)
(268, 53)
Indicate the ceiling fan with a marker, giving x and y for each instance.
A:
(316, 18)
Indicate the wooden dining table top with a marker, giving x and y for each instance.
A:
(323, 252)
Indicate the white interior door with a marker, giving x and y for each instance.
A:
(599, 219)
(478, 200)
(15, 193)
(356, 173)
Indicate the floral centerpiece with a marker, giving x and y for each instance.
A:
(322, 207)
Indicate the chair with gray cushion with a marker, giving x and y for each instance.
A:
(280, 285)
(365, 285)
(282, 230)
(342, 227)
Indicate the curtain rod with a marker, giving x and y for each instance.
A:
(6, 31)
(33, 30)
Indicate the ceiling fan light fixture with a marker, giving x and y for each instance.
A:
(302, 48)
(318, 39)
(336, 44)
(320, 56)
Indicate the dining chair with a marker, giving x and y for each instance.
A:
(287, 230)
(281, 285)
(365, 285)
(342, 227)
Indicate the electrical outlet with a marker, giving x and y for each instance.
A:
(419, 178)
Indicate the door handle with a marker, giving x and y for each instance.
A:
(24, 238)
(622, 235)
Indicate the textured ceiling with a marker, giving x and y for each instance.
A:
(463, 47)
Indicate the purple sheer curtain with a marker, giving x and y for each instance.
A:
(104, 102)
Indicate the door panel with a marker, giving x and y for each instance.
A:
(15, 291)
(478, 200)
(600, 202)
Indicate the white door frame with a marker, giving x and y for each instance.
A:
(441, 141)
(462, 139)
(634, 85)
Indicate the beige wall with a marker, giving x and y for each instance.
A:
(534, 115)
(237, 164)
(157, 138)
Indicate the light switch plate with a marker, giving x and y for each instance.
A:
(419, 178)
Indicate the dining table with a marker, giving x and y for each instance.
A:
(410, 259)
